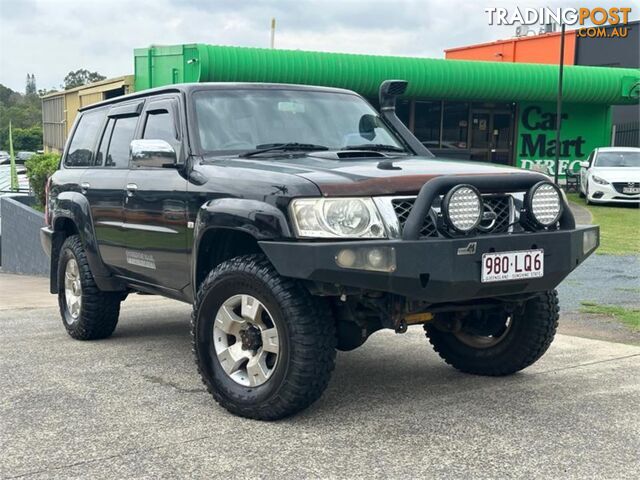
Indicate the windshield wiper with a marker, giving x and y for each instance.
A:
(268, 147)
(376, 147)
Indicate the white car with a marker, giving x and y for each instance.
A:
(611, 174)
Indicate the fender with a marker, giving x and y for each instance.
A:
(75, 207)
(259, 219)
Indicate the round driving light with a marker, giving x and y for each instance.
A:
(544, 204)
(462, 208)
(346, 258)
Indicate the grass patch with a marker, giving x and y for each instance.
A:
(628, 316)
(619, 226)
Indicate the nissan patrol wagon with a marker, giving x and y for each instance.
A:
(299, 220)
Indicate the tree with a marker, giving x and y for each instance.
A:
(46, 91)
(29, 139)
(24, 112)
(81, 77)
(30, 88)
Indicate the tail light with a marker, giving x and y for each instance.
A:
(47, 212)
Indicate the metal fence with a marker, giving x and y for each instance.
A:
(627, 134)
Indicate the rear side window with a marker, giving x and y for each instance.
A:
(84, 139)
(160, 126)
(118, 152)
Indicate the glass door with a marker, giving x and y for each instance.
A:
(490, 136)
(480, 138)
(500, 151)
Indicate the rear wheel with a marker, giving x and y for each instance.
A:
(265, 347)
(87, 312)
(500, 343)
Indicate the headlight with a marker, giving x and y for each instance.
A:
(544, 204)
(599, 180)
(462, 208)
(336, 218)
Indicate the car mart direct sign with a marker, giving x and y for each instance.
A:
(584, 127)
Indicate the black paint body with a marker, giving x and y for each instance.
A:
(149, 240)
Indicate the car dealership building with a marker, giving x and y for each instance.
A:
(477, 110)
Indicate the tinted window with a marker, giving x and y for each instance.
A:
(104, 143)
(160, 126)
(84, 139)
(123, 131)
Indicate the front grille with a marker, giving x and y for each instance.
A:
(497, 213)
(501, 207)
(620, 186)
(403, 206)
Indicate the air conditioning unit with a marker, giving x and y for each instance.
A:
(549, 27)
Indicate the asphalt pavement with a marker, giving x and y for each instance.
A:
(132, 406)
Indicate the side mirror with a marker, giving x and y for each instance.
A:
(584, 164)
(152, 154)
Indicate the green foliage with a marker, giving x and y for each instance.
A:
(619, 226)
(39, 169)
(81, 77)
(629, 316)
(25, 113)
(29, 139)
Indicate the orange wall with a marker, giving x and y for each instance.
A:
(538, 49)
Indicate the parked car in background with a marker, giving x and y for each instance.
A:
(611, 174)
(21, 157)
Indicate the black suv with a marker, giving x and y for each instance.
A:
(298, 220)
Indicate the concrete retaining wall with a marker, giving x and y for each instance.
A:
(21, 249)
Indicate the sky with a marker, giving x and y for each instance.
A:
(49, 38)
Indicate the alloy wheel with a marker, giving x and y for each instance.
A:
(73, 289)
(246, 340)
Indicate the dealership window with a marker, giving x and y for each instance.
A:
(455, 125)
(427, 123)
(403, 111)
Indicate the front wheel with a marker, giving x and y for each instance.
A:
(87, 312)
(265, 347)
(501, 343)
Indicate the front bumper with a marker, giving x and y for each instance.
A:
(608, 194)
(435, 270)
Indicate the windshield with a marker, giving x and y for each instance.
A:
(618, 159)
(241, 120)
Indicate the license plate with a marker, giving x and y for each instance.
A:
(503, 266)
(631, 190)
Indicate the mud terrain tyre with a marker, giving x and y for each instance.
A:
(264, 347)
(87, 312)
(528, 337)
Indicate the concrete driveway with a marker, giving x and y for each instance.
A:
(133, 406)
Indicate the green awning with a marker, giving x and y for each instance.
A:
(428, 77)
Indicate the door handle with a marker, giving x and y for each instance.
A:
(84, 187)
(131, 189)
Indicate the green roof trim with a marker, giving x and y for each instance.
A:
(428, 78)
